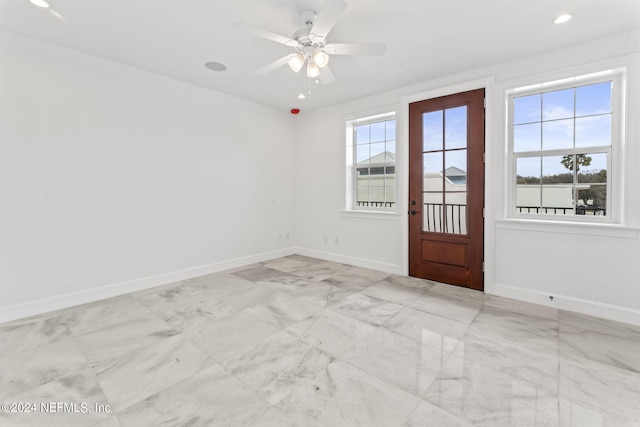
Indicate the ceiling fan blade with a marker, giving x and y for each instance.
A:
(326, 76)
(356, 48)
(265, 34)
(328, 17)
(274, 65)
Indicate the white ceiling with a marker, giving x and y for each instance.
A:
(425, 39)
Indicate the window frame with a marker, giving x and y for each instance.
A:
(614, 152)
(351, 186)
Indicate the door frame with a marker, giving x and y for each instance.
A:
(491, 147)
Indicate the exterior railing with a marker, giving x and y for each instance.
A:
(376, 204)
(579, 210)
(445, 218)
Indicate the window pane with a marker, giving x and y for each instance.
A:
(593, 131)
(432, 131)
(391, 148)
(592, 184)
(362, 134)
(362, 154)
(557, 134)
(376, 150)
(455, 127)
(527, 137)
(557, 104)
(593, 99)
(527, 109)
(556, 170)
(528, 170)
(378, 133)
(390, 130)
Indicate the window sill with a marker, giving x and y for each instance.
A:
(607, 230)
(375, 215)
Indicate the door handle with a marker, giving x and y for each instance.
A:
(413, 212)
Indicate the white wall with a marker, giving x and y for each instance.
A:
(113, 179)
(588, 269)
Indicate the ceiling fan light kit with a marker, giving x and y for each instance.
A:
(310, 43)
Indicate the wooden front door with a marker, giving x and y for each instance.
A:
(446, 189)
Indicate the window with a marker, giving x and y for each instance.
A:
(371, 156)
(563, 141)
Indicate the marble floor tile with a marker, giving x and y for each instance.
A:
(348, 281)
(397, 360)
(211, 397)
(612, 350)
(32, 368)
(17, 337)
(462, 310)
(426, 328)
(343, 395)
(516, 329)
(485, 397)
(316, 272)
(521, 307)
(595, 324)
(298, 341)
(322, 294)
(107, 314)
(120, 339)
(79, 391)
(600, 387)
(410, 282)
(135, 376)
(283, 310)
(367, 309)
(331, 332)
(458, 292)
(392, 292)
(257, 274)
(374, 275)
(185, 306)
(532, 364)
(277, 365)
(428, 415)
(231, 335)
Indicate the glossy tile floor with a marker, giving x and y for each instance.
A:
(302, 342)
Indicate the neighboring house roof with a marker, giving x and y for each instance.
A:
(454, 171)
(385, 157)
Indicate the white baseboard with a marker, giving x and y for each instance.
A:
(345, 259)
(45, 305)
(591, 308)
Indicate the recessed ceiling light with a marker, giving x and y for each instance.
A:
(40, 3)
(215, 66)
(301, 96)
(563, 18)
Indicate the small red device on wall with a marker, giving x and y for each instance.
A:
(295, 110)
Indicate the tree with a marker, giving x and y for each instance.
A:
(580, 160)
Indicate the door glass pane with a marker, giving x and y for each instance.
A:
(455, 128)
(432, 131)
(455, 170)
(456, 212)
(432, 163)
(432, 212)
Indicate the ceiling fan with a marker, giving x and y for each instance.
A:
(310, 44)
